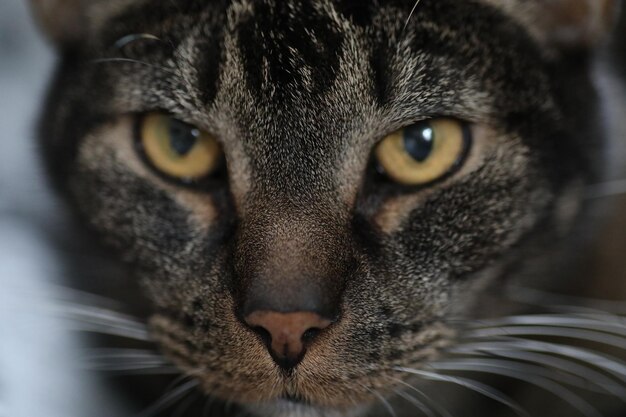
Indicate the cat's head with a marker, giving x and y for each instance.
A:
(310, 189)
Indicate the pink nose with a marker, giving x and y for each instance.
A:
(286, 334)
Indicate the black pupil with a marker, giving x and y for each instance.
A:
(419, 140)
(183, 137)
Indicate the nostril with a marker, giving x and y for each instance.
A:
(310, 334)
(265, 336)
(286, 335)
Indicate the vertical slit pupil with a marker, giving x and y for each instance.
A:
(183, 137)
(419, 140)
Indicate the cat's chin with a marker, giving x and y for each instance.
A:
(288, 408)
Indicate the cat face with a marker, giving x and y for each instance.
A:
(309, 191)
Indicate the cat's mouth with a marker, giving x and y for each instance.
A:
(294, 399)
(288, 408)
(236, 366)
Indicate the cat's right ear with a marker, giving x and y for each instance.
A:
(576, 23)
(63, 21)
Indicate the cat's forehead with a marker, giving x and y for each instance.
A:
(290, 49)
(300, 88)
(294, 55)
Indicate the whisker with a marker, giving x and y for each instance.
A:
(608, 324)
(184, 406)
(553, 331)
(603, 382)
(134, 37)
(113, 331)
(134, 61)
(438, 408)
(101, 320)
(472, 385)
(88, 310)
(147, 370)
(481, 365)
(102, 314)
(417, 403)
(126, 366)
(78, 297)
(607, 363)
(382, 399)
(485, 366)
(544, 299)
(206, 408)
(127, 361)
(417, 2)
(170, 397)
(122, 353)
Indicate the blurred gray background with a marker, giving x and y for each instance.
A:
(38, 372)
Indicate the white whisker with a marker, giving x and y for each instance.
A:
(417, 403)
(101, 320)
(472, 385)
(102, 314)
(438, 408)
(169, 397)
(603, 382)
(607, 324)
(138, 370)
(508, 369)
(134, 37)
(564, 302)
(184, 406)
(382, 399)
(122, 366)
(121, 353)
(77, 297)
(552, 331)
(206, 408)
(127, 361)
(134, 61)
(108, 329)
(417, 2)
(607, 363)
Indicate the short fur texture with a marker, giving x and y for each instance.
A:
(299, 92)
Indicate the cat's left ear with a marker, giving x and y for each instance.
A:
(574, 24)
(65, 22)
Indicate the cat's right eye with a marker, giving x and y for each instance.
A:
(177, 149)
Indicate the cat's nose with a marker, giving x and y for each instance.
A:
(287, 334)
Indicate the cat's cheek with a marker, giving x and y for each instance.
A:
(395, 211)
(458, 229)
(117, 140)
(133, 208)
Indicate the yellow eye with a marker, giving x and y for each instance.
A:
(423, 152)
(177, 149)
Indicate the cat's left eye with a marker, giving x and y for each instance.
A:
(177, 149)
(423, 152)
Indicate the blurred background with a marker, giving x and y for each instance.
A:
(38, 372)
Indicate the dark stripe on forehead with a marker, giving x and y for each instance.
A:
(210, 51)
(359, 12)
(289, 47)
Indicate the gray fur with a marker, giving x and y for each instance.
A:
(298, 115)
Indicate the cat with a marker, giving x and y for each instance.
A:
(315, 196)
